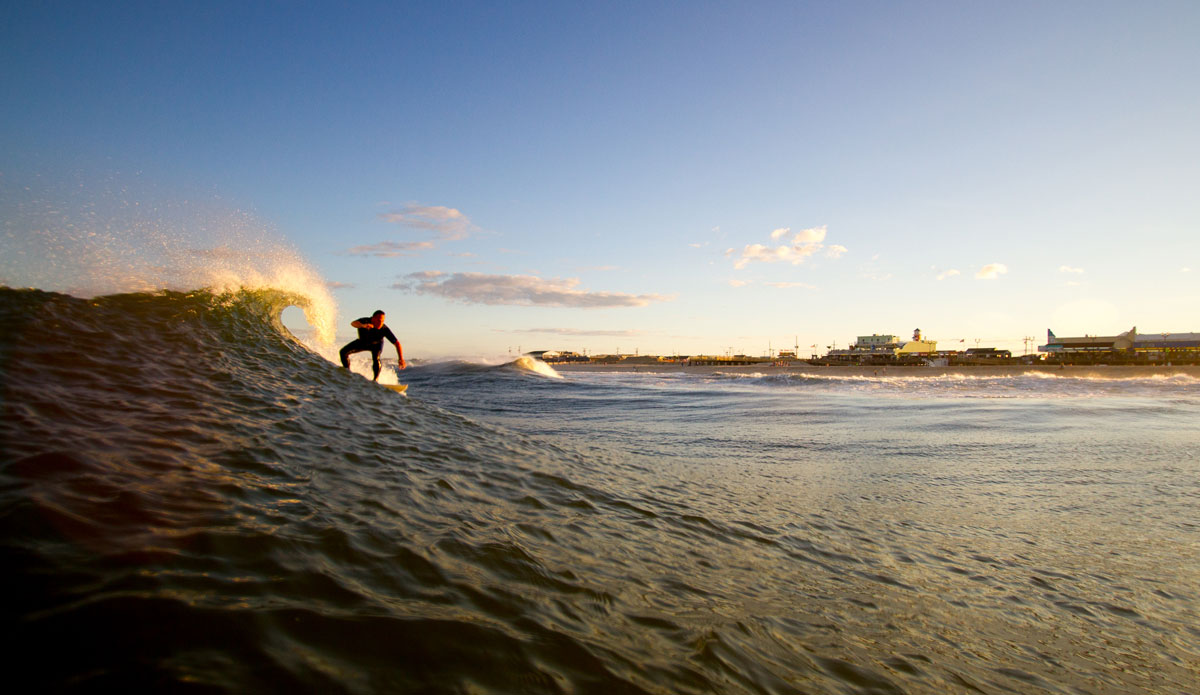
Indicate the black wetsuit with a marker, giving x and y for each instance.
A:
(369, 339)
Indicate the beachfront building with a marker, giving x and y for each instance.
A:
(867, 349)
(1167, 347)
(558, 356)
(724, 360)
(1129, 346)
(879, 349)
(876, 342)
(1088, 343)
(917, 347)
(987, 353)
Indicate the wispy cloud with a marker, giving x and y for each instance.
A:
(871, 270)
(518, 290)
(446, 223)
(333, 285)
(948, 274)
(991, 271)
(1069, 269)
(738, 283)
(391, 249)
(803, 245)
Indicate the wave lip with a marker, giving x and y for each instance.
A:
(88, 241)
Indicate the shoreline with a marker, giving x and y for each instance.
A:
(1076, 371)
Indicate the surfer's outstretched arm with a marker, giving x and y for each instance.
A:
(400, 354)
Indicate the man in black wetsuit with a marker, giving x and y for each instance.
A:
(371, 334)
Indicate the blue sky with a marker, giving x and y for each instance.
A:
(661, 177)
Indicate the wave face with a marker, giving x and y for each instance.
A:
(191, 500)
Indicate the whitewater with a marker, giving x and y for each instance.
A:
(192, 499)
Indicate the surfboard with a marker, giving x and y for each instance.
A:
(398, 388)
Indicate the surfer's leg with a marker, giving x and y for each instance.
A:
(352, 347)
(375, 362)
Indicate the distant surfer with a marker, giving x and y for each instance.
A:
(371, 334)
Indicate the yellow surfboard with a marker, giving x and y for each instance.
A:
(398, 388)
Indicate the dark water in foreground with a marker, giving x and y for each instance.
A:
(192, 501)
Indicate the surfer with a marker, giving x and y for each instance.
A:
(371, 334)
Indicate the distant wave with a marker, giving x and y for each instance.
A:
(906, 383)
(524, 365)
(535, 366)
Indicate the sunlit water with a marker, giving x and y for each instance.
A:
(192, 500)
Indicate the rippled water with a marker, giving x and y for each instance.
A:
(191, 500)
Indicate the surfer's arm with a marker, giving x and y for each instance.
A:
(359, 324)
(400, 354)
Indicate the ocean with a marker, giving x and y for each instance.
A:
(193, 500)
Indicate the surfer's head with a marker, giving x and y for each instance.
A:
(377, 318)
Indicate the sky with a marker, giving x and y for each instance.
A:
(649, 177)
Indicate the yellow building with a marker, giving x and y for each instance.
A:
(914, 348)
(918, 346)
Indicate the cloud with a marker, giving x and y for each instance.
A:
(1185, 270)
(738, 283)
(1069, 269)
(340, 285)
(518, 290)
(948, 274)
(813, 235)
(803, 245)
(991, 271)
(391, 249)
(790, 285)
(447, 223)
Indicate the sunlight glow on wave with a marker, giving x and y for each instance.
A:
(101, 237)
